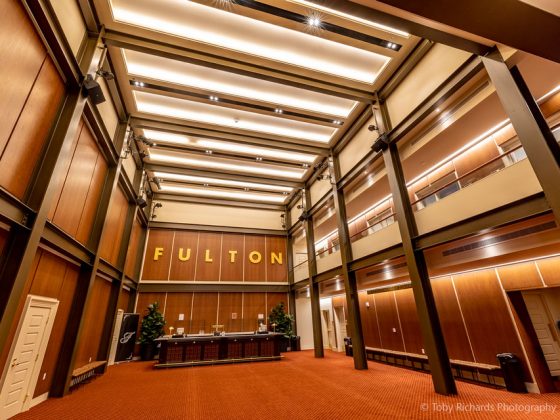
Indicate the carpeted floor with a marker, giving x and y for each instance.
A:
(298, 387)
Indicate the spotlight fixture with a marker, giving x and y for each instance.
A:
(107, 75)
(278, 111)
(208, 152)
(305, 165)
(213, 98)
(314, 21)
(246, 189)
(138, 84)
(156, 181)
(258, 159)
(337, 122)
(93, 90)
(205, 185)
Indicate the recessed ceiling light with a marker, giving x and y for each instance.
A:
(292, 173)
(214, 98)
(314, 21)
(258, 159)
(278, 111)
(305, 165)
(222, 182)
(337, 122)
(224, 194)
(208, 152)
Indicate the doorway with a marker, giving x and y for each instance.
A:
(329, 334)
(26, 355)
(340, 326)
(543, 307)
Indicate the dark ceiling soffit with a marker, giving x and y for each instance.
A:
(218, 287)
(184, 93)
(221, 175)
(520, 210)
(514, 23)
(144, 45)
(207, 228)
(413, 28)
(461, 76)
(327, 275)
(175, 126)
(216, 202)
(376, 258)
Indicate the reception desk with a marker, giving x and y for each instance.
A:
(209, 349)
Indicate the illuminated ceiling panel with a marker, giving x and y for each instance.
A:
(223, 29)
(162, 137)
(220, 182)
(216, 193)
(227, 117)
(196, 161)
(222, 82)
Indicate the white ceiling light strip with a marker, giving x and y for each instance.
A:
(163, 137)
(212, 26)
(216, 164)
(186, 74)
(226, 117)
(218, 181)
(223, 194)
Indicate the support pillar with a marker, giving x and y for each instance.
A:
(350, 287)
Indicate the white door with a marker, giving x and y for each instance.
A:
(340, 326)
(545, 329)
(26, 355)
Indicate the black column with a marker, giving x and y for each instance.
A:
(535, 135)
(432, 335)
(350, 287)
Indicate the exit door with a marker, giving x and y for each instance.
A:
(26, 355)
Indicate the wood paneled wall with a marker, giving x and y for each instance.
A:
(124, 300)
(53, 277)
(133, 249)
(114, 224)
(209, 256)
(236, 311)
(94, 318)
(79, 186)
(32, 92)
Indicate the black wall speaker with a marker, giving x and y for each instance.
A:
(93, 90)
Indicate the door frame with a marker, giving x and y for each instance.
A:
(35, 301)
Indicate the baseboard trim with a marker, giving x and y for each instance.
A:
(38, 400)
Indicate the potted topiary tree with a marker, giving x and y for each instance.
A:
(282, 322)
(152, 328)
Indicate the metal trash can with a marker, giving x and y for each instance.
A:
(512, 371)
(347, 344)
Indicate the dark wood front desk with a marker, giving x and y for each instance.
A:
(208, 349)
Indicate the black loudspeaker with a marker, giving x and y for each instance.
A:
(141, 202)
(93, 90)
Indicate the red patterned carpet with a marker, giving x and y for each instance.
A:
(298, 387)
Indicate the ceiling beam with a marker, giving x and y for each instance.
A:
(510, 22)
(160, 49)
(409, 26)
(217, 202)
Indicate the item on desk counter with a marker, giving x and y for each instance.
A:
(171, 330)
(180, 331)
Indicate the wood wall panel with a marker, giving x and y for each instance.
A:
(255, 272)
(124, 299)
(132, 254)
(230, 303)
(370, 329)
(409, 321)
(209, 247)
(232, 271)
(276, 272)
(22, 54)
(253, 304)
(204, 312)
(145, 299)
(76, 206)
(66, 299)
(388, 319)
(175, 304)
(454, 331)
(550, 271)
(273, 299)
(486, 315)
(114, 225)
(26, 143)
(520, 276)
(158, 270)
(184, 270)
(94, 317)
(476, 156)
